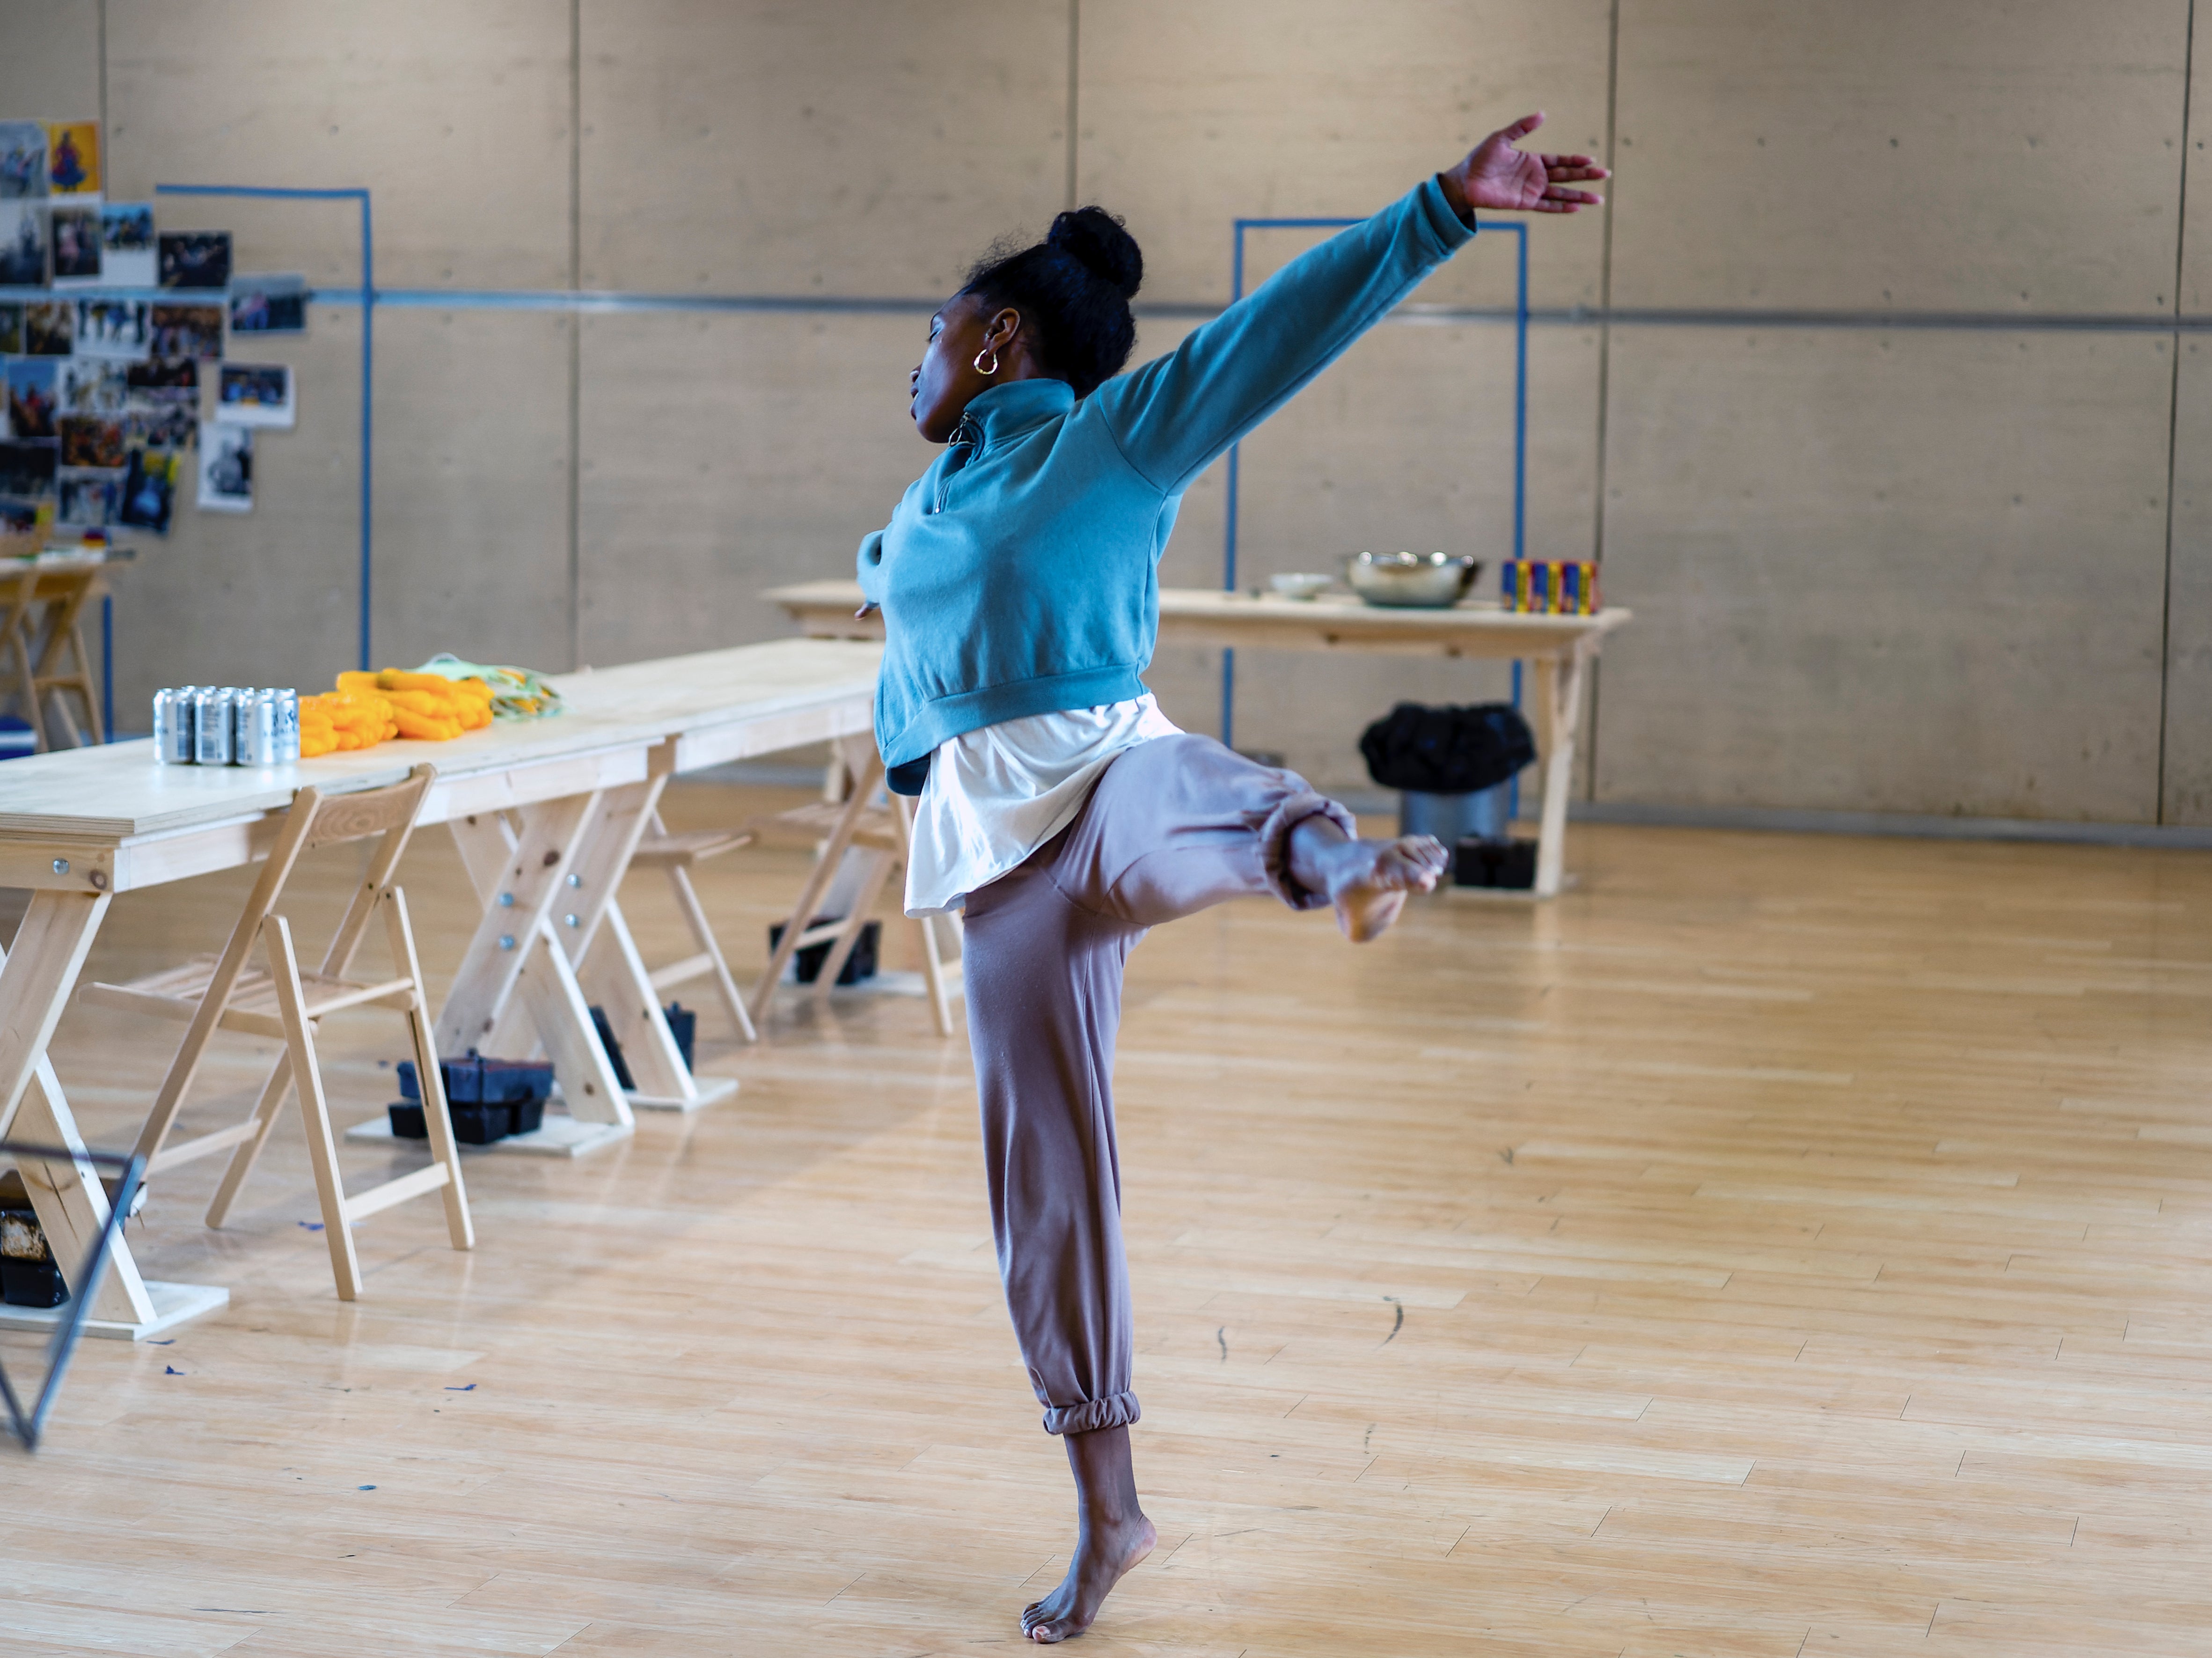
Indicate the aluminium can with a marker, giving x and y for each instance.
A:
(211, 725)
(173, 726)
(286, 702)
(255, 741)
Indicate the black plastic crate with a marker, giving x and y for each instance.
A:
(1507, 863)
(475, 1123)
(860, 964)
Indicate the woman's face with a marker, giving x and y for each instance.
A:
(946, 378)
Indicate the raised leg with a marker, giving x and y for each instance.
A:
(314, 1109)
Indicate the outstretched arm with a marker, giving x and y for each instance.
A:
(1173, 416)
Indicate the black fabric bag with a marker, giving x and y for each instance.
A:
(1447, 751)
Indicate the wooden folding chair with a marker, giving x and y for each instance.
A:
(675, 855)
(877, 825)
(42, 611)
(223, 992)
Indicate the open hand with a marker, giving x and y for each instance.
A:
(1497, 176)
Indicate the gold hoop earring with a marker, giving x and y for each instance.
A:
(994, 368)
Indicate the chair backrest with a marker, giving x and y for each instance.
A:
(332, 820)
(319, 820)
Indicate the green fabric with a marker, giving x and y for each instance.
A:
(516, 693)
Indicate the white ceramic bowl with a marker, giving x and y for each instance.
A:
(1303, 584)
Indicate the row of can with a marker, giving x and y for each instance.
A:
(1549, 587)
(225, 725)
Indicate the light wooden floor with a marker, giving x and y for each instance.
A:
(1778, 1246)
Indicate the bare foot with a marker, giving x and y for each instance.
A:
(1105, 1550)
(1366, 880)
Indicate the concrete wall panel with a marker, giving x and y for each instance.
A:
(1987, 156)
(455, 117)
(472, 487)
(724, 454)
(1193, 116)
(50, 70)
(2188, 770)
(1917, 572)
(2196, 212)
(841, 148)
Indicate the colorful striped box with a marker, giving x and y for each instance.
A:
(1549, 587)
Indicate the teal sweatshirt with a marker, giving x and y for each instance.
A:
(1019, 574)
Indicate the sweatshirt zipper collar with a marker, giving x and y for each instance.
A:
(998, 415)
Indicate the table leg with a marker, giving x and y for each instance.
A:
(864, 769)
(593, 936)
(532, 869)
(36, 977)
(1558, 687)
(72, 1204)
(39, 971)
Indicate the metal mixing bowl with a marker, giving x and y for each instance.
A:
(1420, 581)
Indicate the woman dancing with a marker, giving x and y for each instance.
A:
(1059, 807)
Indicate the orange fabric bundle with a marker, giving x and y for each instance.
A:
(343, 720)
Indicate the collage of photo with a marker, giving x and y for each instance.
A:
(113, 349)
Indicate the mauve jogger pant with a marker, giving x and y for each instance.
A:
(1173, 825)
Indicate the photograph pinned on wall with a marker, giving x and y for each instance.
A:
(116, 329)
(149, 423)
(73, 160)
(49, 328)
(194, 258)
(147, 496)
(22, 160)
(268, 305)
(127, 244)
(89, 386)
(87, 499)
(75, 234)
(225, 468)
(32, 397)
(91, 441)
(27, 470)
(11, 330)
(254, 394)
(186, 330)
(22, 244)
(163, 373)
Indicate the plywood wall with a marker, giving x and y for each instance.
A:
(1896, 541)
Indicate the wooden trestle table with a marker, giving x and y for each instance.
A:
(1555, 650)
(82, 826)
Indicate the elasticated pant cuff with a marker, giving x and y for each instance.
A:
(1275, 843)
(1115, 1411)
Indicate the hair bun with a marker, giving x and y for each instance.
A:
(1096, 237)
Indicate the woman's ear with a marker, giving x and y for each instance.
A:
(998, 333)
